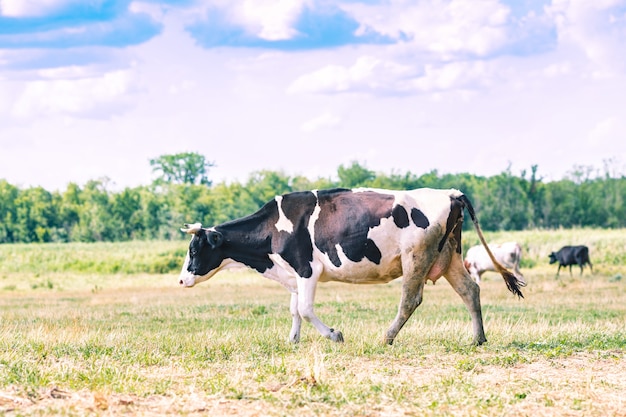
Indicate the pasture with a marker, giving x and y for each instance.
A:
(85, 330)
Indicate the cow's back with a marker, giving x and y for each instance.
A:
(573, 255)
(509, 254)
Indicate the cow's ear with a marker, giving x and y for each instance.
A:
(215, 238)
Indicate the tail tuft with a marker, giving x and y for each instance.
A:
(512, 283)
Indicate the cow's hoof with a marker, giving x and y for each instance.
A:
(336, 336)
(479, 342)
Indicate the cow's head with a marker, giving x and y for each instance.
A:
(552, 257)
(204, 257)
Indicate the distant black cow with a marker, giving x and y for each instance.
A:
(571, 255)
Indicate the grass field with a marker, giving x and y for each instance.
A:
(78, 338)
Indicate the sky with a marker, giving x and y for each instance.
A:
(95, 89)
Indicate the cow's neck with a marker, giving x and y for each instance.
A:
(249, 240)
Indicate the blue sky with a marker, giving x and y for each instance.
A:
(95, 89)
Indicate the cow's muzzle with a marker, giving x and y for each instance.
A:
(187, 279)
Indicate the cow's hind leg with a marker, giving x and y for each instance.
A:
(412, 294)
(462, 283)
(415, 267)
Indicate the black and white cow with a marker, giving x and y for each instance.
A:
(571, 255)
(509, 254)
(359, 236)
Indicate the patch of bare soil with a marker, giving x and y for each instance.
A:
(578, 385)
(56, 401)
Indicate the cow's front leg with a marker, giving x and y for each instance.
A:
(306, 297)
(296, 320)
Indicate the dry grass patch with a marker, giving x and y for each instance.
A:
(136, 344)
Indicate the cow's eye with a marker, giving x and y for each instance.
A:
(193, 252)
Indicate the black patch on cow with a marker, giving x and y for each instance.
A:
(249, 240)
(202, 257)
(296, 248)
(454, 224)
(400, 216)
(372, 252)
(345, 219)
(419, 219)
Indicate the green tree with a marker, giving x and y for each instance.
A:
(503, 203)
(156, 214)
(182, 168)
(69, 208)
(8, 196)
(95, 215)
(355, 175)
(35, 215)
(301, 183)
(262, 186)
(126, 219)
(395, 181)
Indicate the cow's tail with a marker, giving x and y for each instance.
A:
(512, 282)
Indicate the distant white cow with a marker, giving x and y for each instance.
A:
(509, 254)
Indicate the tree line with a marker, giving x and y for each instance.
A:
(183, 194)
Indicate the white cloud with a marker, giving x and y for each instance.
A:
(598, 28)
(65, 73)
(270, 20)
(557, 69)
(605, 132)
(445, 28)
(274, 18)
(324, 121)
(29, 8)
(454, 76)
(373, 75)
(83, 96)
(368, 74)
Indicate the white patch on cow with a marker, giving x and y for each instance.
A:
(283, 223)
(315, 215)
(282, 272)
(186, 278)
(361, 272)
(387, 235)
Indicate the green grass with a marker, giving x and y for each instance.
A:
(76, 343)
(154, 257)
